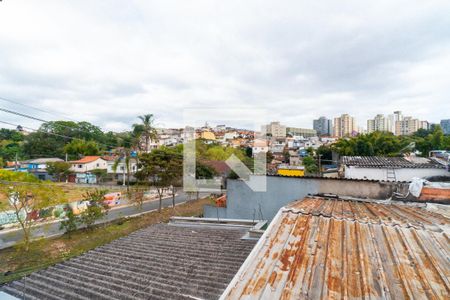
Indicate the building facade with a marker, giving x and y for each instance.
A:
(380, 123)
(407, 126)
(345, 125)
(275, 129)
(445, 125)
(304, 132)
(323, 126)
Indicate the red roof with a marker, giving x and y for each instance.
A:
(86, 159)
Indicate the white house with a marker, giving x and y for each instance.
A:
(259, 146)
(121, 167)
(391, 168)
(88, 163)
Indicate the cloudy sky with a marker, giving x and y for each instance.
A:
(108, 61)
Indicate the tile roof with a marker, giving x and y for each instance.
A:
(388, 162)
(86, 159)
(334, 249)
(159, 262)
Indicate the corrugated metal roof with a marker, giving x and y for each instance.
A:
(337, 249)
(159, 262)
(388, 162)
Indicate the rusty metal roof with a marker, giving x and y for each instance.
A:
(321, 248)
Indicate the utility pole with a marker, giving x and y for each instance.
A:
(320, 166)
(66, 157)
(123, 181)
(15, 164)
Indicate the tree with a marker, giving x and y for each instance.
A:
(79, 147)
(146, 130)
(310, 165)
(59, 169)
(27, 195)
(136, 196)
(160, 169)
(203, 171)
(96, 209)
(125, 159)
(69, 225)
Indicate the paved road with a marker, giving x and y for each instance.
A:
(11, 237)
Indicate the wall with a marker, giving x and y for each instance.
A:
(404, 174)
(243, 203)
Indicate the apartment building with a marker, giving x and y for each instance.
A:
(323, 126)
(275, 129)
(407, 126)
(381, 123)
(345, 125)
(445, 125)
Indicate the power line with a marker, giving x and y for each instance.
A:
(35, 108)
(46, 121)
(52, 133)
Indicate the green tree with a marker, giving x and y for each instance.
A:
(203, 171)
(160, 169)
(310, 165)
(146, 130)
(59, 169)
(77, 148)
(69, 224)
(96, 209)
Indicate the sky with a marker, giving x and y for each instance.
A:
(107, 62)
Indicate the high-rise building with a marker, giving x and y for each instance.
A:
(323, 126)
(424, 125)
(380, 123)
(275, 129)
(345, 125)
(407, 126)
(445, 125)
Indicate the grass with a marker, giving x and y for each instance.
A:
(16, 263)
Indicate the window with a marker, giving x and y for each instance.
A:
(80, 166)
(98, 165)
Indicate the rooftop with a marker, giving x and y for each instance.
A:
(159, 262)
(42, 160)
(322, 248)
(86, 159)
(389, 162)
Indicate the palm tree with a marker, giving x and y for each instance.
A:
(145, 130)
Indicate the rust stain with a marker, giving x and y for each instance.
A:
(334, 248)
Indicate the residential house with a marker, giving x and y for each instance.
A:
(83, 167)
(38, 167)
(259, 146)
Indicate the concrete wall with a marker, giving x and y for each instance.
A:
(243, 203)
(404, 174)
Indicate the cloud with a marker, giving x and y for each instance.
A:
(107, 62)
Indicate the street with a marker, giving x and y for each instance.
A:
(10, 237)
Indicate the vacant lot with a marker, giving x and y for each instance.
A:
(15, 263)
(72, 192)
